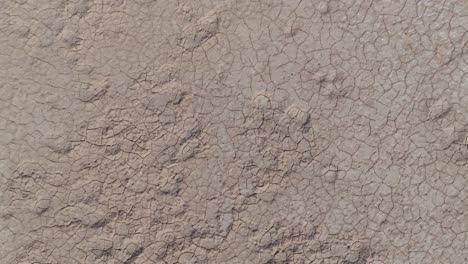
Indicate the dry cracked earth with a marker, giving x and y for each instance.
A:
(234, 131)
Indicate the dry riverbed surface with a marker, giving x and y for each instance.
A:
(233, 131)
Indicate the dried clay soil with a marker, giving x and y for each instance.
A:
(233, 131)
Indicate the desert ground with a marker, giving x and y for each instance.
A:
(233, 131)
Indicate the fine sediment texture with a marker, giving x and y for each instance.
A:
(233, 131)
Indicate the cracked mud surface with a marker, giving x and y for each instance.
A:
(235, 131)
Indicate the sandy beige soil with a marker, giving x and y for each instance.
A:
(234, 131)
